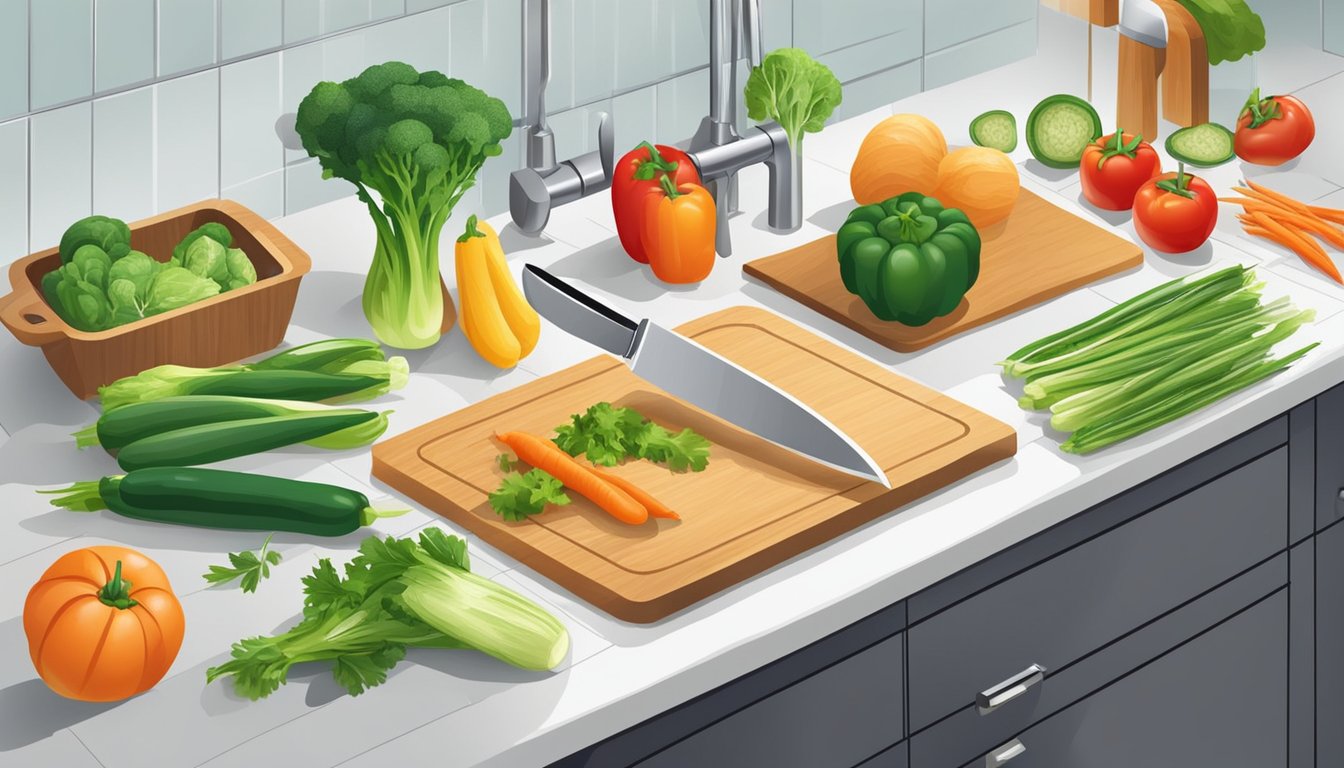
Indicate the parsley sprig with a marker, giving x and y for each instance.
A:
(251, 566)
(521, 496)
(608, 435)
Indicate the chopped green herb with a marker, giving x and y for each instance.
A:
(608, 435)
(251, 566)
(521, 496)
(505, 462)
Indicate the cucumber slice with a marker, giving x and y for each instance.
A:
(1060, 128)
(996, 129)
(1203, 146)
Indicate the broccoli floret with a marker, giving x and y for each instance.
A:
(416, 140)
(113, 236)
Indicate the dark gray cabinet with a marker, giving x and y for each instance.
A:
(1189, 621)
(1218, 700)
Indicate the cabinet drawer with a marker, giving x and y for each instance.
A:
(967, 733)
(837, 718)
(1218, 700)
(1329, 456)
(1072, 604)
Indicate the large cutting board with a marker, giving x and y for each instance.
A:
(753, 507)
(1037, 253)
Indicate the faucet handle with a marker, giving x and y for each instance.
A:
(750, 25)
(606, 145)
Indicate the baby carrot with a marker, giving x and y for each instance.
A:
(656, 508)
(1308, 249)
(544, 455)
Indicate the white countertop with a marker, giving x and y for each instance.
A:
(463, 708)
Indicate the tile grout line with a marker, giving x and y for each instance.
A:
(85, 746)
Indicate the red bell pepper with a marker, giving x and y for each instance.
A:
(636, 177)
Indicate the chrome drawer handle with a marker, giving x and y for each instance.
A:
(991, 699)
(1004, 753)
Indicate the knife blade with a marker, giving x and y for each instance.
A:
(699, 376)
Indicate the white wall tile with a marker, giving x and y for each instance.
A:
(948, 22)
(682, 102)
(493, 179)
(343, 14)
(415, 6)
(1291, 21)
(249, 98)
(981, 54)
(871, 56)
(123, 154)
(124, 43)
(13, 58)
(594, 49)
(875, 90)
(61, 186)
(384, 9)
(820, 27)
(485, 48)
(560, 89)
(305, 187)
(644, 55)
(1333, 18)
(302, 20)
(62, 51)
(14, 191)
(690, 34)
(337, 58)
(636, 116)
(186, 35)
(776, 24)
(422, 40)
(575, 129)
(265, 195)
(248, 26)
(187, 123)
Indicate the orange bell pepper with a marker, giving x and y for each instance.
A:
(678, 232)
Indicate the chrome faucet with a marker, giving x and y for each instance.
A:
(544, 183)
(717, 148)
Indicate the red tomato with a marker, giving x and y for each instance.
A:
(1175, 213)
(1273, 131)
(1114, 167)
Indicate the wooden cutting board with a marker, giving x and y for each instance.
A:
(755, 505)
(1037, 253)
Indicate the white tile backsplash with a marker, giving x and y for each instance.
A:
(187, 35)
(13, 193)
(249, 99)
(123, 154)
(187, 126)
(61, 175)
(1332, 23)
(61, 56)
(13, 58)
(213, 130)
(123, 43)
(247, 26)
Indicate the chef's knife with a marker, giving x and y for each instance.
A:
(702, 378)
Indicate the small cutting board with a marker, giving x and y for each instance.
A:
(755, 505)
(1037, 253)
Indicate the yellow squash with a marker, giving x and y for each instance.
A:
(496, 319)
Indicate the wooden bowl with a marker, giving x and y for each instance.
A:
(219, 330)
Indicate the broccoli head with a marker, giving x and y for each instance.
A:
(417, 141)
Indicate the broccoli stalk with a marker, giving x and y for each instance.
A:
(411, 143)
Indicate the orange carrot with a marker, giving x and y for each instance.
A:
(1329, 214)
(1309, 223)
(1278, 197)
(656, 508)
(544, 455)
(1310, 251)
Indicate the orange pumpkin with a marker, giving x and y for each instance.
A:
(102, 624)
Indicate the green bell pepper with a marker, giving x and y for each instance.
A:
(909, 259)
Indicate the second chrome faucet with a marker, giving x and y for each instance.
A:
(717, 149)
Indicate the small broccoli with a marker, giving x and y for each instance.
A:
(417, 140)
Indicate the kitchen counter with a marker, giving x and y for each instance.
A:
(466, 709)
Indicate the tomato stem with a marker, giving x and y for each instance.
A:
(1261, 110)
(1179, 185)
(1117, 147)
(117, 592)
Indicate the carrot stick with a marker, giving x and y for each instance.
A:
(1329, 214)
(656, 508)
(1308, 222)
(1278, 197)
(543, 455)
(1310, 251)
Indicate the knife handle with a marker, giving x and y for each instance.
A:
(578, 313)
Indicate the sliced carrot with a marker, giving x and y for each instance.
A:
(1310, 251)
(544, 455)
(656, 508)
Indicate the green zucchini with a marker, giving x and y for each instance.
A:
(212, 498)
(996, 129)
(1060, 128)
(119, 428)
(326, 356)
(1203, 146)
(208, 443)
